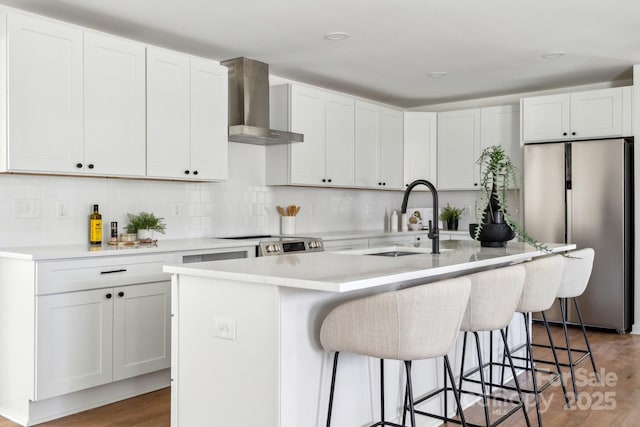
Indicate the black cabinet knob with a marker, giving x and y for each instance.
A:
(90, 165)
(186, 172)
(384, 183)
(120, 294)
(564, 134)
(573, 133)
(379, 183)
(109, 296)
(324, 180)
(195, 172)
(475, 184)
(79, 165)
(329, 180)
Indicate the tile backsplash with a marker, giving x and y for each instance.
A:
(46, 210)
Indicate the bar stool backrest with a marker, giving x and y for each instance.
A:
(416, 323)
(494, 297)
(576, 273)
(541, 283)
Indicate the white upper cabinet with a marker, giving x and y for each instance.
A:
(167, 114)
(501, 126)
(379, 158)
(420, 147)
(326, 120)
(600, 113)
(462, 135)
(458, 149)
(114, 106)
(209, 123)
(45, 102)
(182, 137)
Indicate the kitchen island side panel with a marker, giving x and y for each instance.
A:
(225, 382)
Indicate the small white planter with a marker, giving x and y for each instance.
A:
(145, 234)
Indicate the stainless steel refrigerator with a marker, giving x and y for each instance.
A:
(582, 192)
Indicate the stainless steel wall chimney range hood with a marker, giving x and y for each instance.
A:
(249, 105)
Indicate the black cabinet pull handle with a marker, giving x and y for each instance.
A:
(79, 165)
(90, 165)
(195, 172)
(475, 184)
(384, 183)
(108, 296)
(564, 134)
(329, 180)
(573, 133)
(121, 270)
(379, 183)
(186, 172)
(324, 180)
(120, 294)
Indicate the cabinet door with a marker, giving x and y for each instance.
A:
(367, 142)
(114, 106)
(458, 150)
(168, 121)
(339, 140)
(545, 118)
(307, 160)
(141, 329)
(596, 114)
(391, 155)
(420, 153)
(209, 142)
(501, 126)
(45, 95)
(74, 341)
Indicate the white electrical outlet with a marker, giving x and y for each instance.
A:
(61, 209)
(27, 208)
(225, 328)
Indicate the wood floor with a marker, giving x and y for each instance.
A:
(615, 402)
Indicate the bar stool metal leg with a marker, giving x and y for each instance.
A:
(586, 340)
(333, 386)
(563, 313)
(555, 359)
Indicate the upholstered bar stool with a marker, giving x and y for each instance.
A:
(420, 322)
(542, 281)
(494, 297)
(575, 277)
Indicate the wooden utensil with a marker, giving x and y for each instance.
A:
(281, 211)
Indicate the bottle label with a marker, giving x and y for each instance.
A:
(95, 231)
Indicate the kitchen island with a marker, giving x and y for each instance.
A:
(245, 346)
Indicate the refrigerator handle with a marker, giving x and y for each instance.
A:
(569, 218)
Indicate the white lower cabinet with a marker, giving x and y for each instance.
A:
(89, 338)
(73, 342)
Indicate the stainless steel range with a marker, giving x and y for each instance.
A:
(280, 245)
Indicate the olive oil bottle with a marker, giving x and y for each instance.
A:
(95, 227)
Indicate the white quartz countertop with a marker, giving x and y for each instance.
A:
(351, 270)
(38, 253)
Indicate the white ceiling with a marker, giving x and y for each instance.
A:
(487, 47)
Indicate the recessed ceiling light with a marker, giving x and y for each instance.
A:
(437, 74)
(336, 36)
(551, 55)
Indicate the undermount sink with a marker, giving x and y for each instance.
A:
(395, 253)
(392, 251)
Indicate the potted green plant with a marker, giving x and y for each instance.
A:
(450, 216)
(495, 226)
(145, 224)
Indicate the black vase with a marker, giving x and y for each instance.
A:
(495, 232)
(492, 235)
(452, 224)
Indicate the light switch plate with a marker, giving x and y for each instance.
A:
(225, 328)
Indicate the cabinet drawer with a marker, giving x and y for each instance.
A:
(76, 275)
